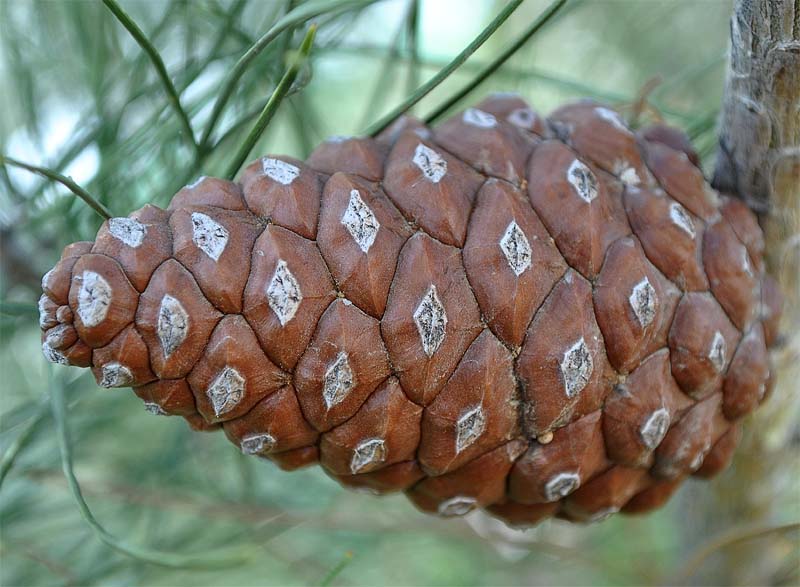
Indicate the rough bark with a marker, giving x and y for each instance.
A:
(759, 160)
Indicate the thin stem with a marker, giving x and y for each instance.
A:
(490, 68)
(274, 102)
(21, 441)
(443, 74)
(297, 16)
(211, 560)
(63, 180)
(337, 569)
(158, 63)
(412, 80)
(729, 538)
(386, 69)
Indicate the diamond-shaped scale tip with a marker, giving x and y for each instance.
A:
(431, 321)
(369, 452)
(576, 368)
(283, 293)
(643, 302)
(226, 390)
(173, 324)
(516, 248)
(360, 222)
(339, 381)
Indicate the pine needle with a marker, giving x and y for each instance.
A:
(158, 63)
(445, 72)
(496, 63)
(337, 569)
(295, 17)
(217, 559)
(274, 102)
(67, 182)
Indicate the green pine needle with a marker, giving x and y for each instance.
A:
(222, 558)
(496, 63)
(274, 102)
(158, 63)
(445, 72)
(295, 17)
(63, 180)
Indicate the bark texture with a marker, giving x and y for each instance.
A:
(759, 161)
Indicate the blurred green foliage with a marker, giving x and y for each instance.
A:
(81, 97)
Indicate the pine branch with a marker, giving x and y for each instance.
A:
(760, 128)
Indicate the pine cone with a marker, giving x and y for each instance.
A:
(534, 316)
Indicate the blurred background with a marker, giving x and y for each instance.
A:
(81, 97)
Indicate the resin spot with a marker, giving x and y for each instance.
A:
(516, 248)
(283, 293)
(432, 165)
(368, 452)
(360, 222)
(282, 172)
(257, 443)
(115, 375)
(209, 235)
(173, 324)
(522, 117)
(655, 428)
(576, 368)
(53, 355)
(612, 117)
(226, 391)
(129, 231)
(583, 181)
(643, 302)
(94, 297)
(155, 409)
(431, 321)
(561, 485)
(479, 118)
(469, 428)
(459, 505)
(716, 354)
(681, 218)
(338, 381)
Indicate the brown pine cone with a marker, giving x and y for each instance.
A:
(534, 316)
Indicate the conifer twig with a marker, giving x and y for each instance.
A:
(211, 560)
(158, 63)
(445, 72)
(274, 102)
(296, 16)
(490, 68)
(337, 569)
(67, 182)
(724, 540)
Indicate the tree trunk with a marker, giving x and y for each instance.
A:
(758, 160)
